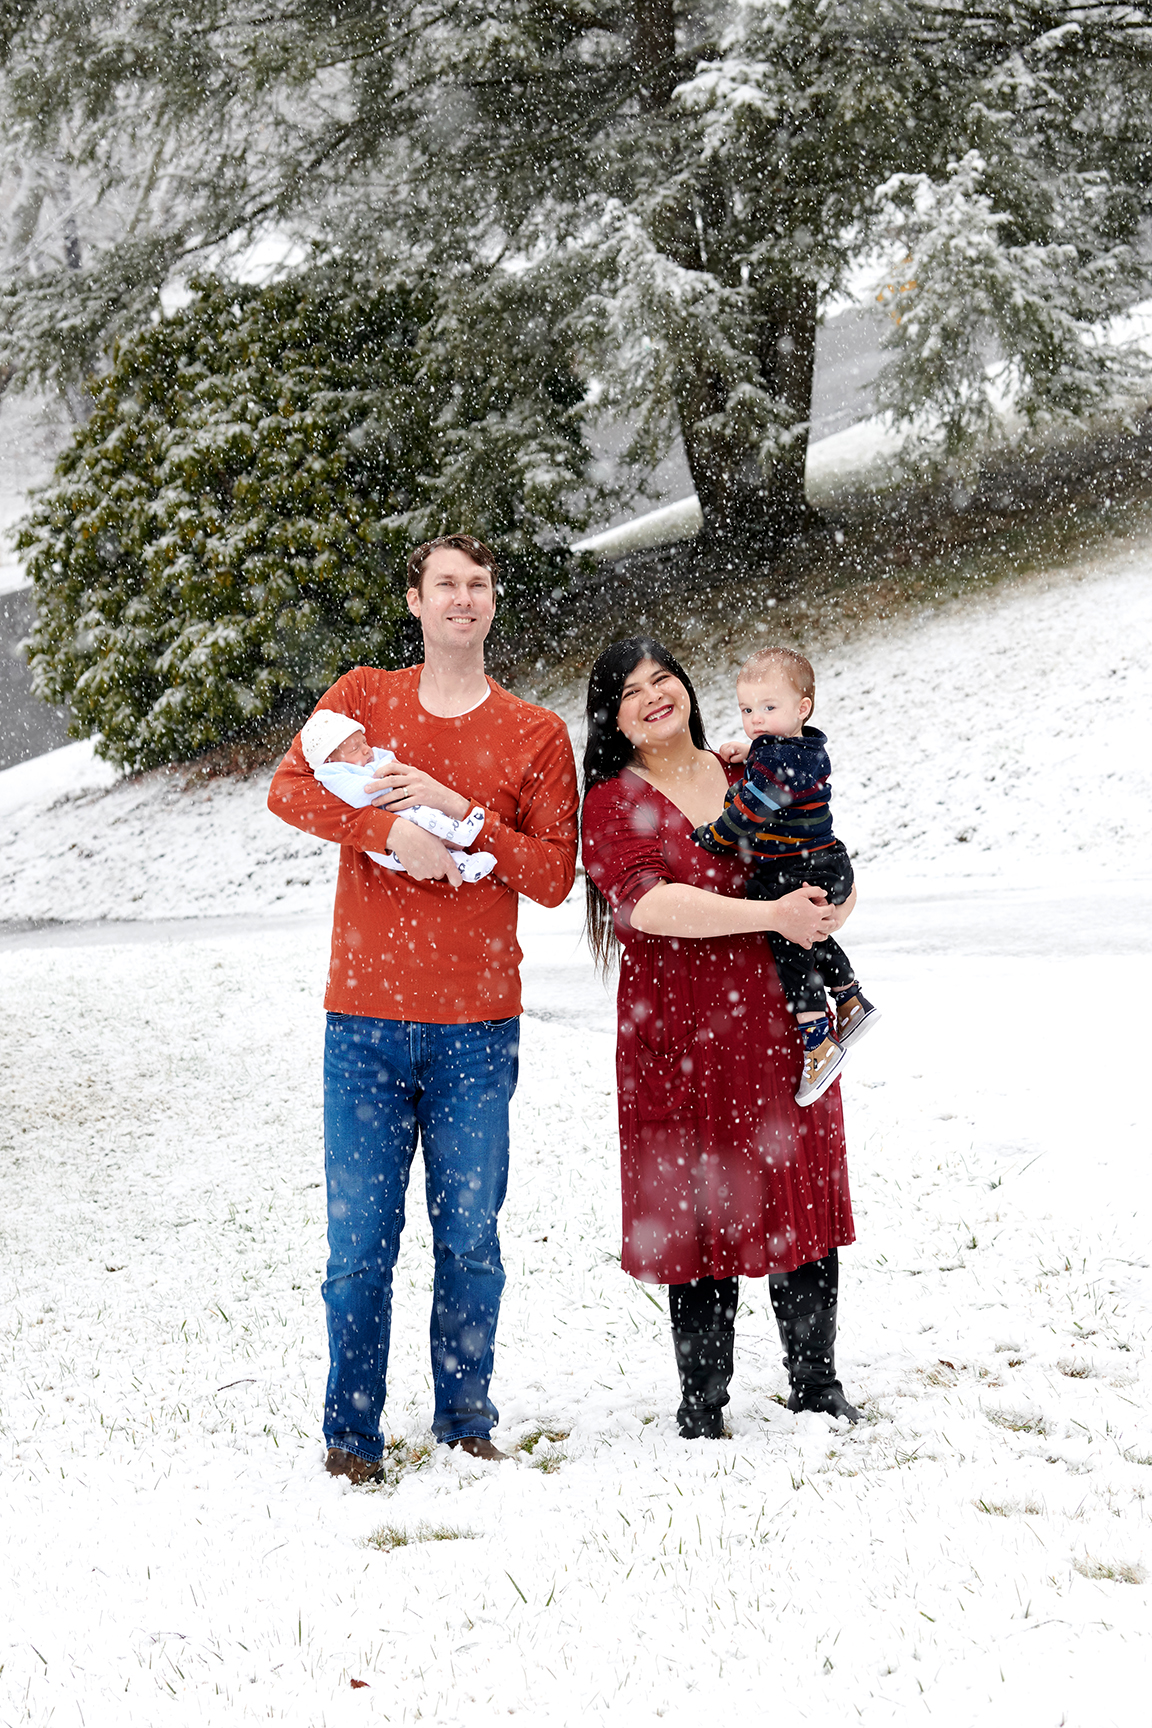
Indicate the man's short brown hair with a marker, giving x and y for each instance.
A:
(466, 543)
(795, 668)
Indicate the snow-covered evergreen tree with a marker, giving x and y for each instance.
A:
(682, 184)
(227, 531)
(986, 325)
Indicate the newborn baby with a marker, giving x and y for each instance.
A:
(338, 752)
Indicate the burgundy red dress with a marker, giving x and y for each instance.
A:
(721, 1172)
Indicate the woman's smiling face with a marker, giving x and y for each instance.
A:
(654, 706)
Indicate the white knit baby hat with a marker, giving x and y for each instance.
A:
(320, 735)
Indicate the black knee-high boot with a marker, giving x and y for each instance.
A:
(703, 1335)
(804, 1302)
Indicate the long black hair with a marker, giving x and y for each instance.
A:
(607, 751)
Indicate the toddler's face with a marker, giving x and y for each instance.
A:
(355, 749)
(771, 708)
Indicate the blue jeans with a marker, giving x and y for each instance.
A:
(385, 1082)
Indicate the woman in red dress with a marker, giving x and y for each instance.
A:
(721, 1172)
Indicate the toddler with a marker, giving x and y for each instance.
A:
(338, 753)
(778, 814)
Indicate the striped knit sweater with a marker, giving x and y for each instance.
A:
(780, 807)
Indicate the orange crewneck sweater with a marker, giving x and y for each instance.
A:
(407, 950)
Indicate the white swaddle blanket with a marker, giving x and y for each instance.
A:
(347, 780)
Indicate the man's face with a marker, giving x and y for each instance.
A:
(455, 602)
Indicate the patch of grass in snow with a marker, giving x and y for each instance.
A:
(1090, 1567)
(1077, 1370)
(1019, 1421)
(400, 1457)
(550, 1459)
(391, 1536)
(1139, 1458)
(532, 1440)
(1010, 1508)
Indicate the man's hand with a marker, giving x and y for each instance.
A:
(397, 787)
(736, 751)
(425, 858)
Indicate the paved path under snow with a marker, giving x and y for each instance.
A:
(971, 918)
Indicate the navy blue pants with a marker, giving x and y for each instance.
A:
(807, 973)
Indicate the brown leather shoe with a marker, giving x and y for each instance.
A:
(479, 1446)
(357, 1470)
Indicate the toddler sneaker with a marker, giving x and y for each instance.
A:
(855, 1015)
(474, 866)
(822, 1061)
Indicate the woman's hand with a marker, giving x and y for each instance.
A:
(804, 916)
(399, 787)
(676, 909)
(840, 913)
(736, 751)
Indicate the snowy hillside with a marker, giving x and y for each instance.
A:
(1008, 740)
(32, 433)
(978, 1551)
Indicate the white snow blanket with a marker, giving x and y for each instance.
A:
(1006, 740)
(978, 1550)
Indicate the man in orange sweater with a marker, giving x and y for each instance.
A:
(423, 995)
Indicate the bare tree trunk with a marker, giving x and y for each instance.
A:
(76, 400)
(698, 395)
(71, 233)
(738, 499)
(787, 355)
(654, 49)
(724, 472)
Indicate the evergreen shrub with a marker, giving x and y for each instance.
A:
(227, 532)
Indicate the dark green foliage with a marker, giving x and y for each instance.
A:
(226, 533)
(684, 185)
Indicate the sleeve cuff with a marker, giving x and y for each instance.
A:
(374, 828)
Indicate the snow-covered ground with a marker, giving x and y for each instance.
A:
(1007, 740)
(33, 431)
(977, 1551)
